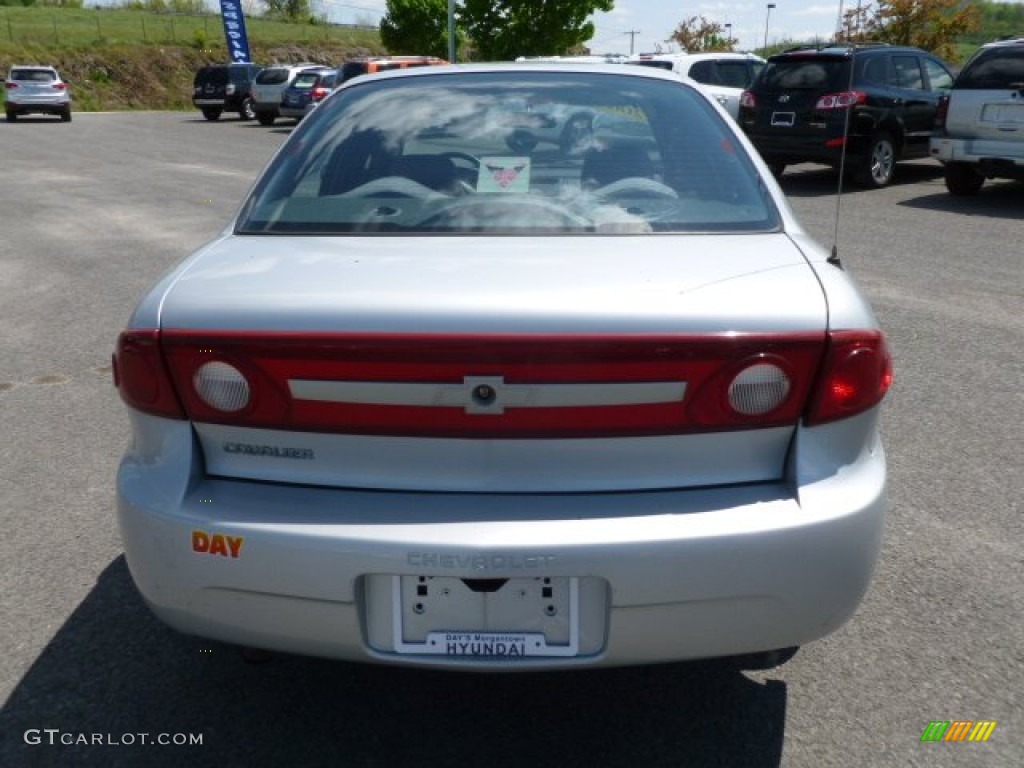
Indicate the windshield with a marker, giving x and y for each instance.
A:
(511, 153)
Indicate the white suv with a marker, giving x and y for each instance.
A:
(979, 127)
(36, 90)
(723, 74)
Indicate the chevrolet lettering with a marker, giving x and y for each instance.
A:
(479, 562)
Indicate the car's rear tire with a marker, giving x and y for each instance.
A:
(11, 116)
(65, 116)
(962, 180)
(211, 113)
(266, 118)
(761, 661)
(246, 112)
(878, 165)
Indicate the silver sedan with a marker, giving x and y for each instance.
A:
(432, 400)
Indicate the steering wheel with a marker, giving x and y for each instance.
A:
(499, 210)
(393, 186)
(473, 160)
(636, 187)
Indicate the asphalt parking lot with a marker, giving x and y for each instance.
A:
(97, 209)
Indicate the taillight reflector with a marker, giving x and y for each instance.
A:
(141, 376)
(841, 100)
(221, 386)
(856, 374)
(748, 100)
(942, 112)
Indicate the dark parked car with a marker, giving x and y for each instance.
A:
(221, 88)
(979, 131)
(796, 111)
(308, 89)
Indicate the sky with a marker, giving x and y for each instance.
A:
(654, 20)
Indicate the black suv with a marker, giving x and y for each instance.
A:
(798, 108)
(220, 87)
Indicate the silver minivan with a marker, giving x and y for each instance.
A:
(268, 87)
(979, 128)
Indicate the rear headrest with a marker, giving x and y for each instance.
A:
(606, 165)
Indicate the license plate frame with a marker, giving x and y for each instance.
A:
(486, 643)
(1003, 113)
(783, 119)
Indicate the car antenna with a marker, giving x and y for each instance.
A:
(833, 257)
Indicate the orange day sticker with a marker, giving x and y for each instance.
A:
(217, 544)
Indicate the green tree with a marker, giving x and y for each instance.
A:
(930, 24)
(416, 27)
(697, 34)
(289, 10)
(505, 29)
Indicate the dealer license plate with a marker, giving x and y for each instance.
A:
(521, 618)
(783, 119)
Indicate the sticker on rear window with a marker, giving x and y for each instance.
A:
(505, 175)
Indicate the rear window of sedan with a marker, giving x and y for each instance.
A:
(304, 81)
(531, 152)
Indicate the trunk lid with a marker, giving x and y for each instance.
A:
(473, 364)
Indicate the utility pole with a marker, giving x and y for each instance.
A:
(451, 31)
(632, 38)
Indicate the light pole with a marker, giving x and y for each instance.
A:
(451, 31)
(767, 16)
(728, 35)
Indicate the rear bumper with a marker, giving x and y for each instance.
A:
(807, 149)
(689, 574)
(38, 108)
(994, 159)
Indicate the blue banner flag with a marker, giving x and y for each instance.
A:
(234, 31)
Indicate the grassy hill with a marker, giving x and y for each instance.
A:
(123, 59)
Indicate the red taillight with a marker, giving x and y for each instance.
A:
(319, 382)
(320, 93)
(941, 112)
(141, 376)
(60, 86)
(841, 100)
(747, 100)
(856, 374)
(9, 85)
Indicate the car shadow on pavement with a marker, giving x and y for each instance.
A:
(113, 672)
(816, 180)
(997, 199)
